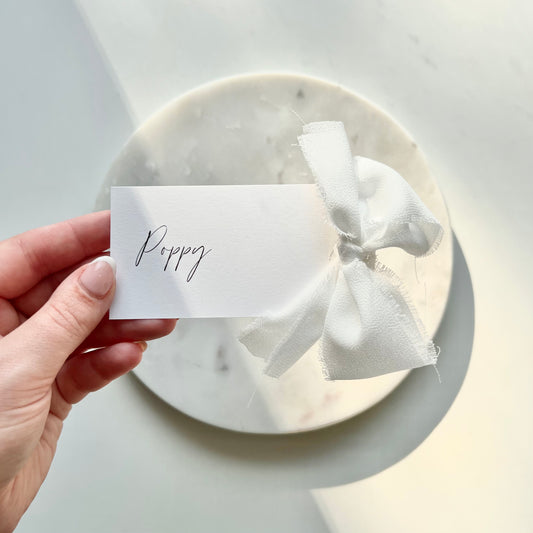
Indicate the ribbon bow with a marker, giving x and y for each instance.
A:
(357, 309)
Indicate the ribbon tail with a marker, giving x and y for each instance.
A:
(371, 328)
(283, 338)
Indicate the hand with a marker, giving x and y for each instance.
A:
(53, 302)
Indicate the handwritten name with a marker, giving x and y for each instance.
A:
(154, 243)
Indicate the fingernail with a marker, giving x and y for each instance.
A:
(142, 345)
(99, 276)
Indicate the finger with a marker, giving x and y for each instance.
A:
(33, 299)
(91, 371)
(10, 318)
(113, 331)
(33, 255)
(39, 347)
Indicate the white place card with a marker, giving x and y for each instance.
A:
(215, 251)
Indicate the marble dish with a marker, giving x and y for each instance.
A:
(243, 130)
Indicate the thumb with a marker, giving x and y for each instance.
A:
(40, 346)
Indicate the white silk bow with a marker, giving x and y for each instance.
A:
(357, 310)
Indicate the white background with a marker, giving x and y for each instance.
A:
(78, 77)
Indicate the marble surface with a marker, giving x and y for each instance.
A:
(79, 77)
(244, 130)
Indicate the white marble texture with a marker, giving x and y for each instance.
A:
(244, 130)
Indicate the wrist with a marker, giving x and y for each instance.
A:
(8, 519)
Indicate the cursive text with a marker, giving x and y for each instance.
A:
(154, 243)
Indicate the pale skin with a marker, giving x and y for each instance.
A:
(48, 320)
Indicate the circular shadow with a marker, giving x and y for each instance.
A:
(366, 444)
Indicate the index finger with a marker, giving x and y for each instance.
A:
(29, 257)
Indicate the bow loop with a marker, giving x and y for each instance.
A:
(394, 216)
(358, 309)
(327, 152)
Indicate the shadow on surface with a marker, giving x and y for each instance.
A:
(364, 445)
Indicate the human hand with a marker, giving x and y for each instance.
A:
(53, 302)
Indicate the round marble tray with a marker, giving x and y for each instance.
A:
(243, 130)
